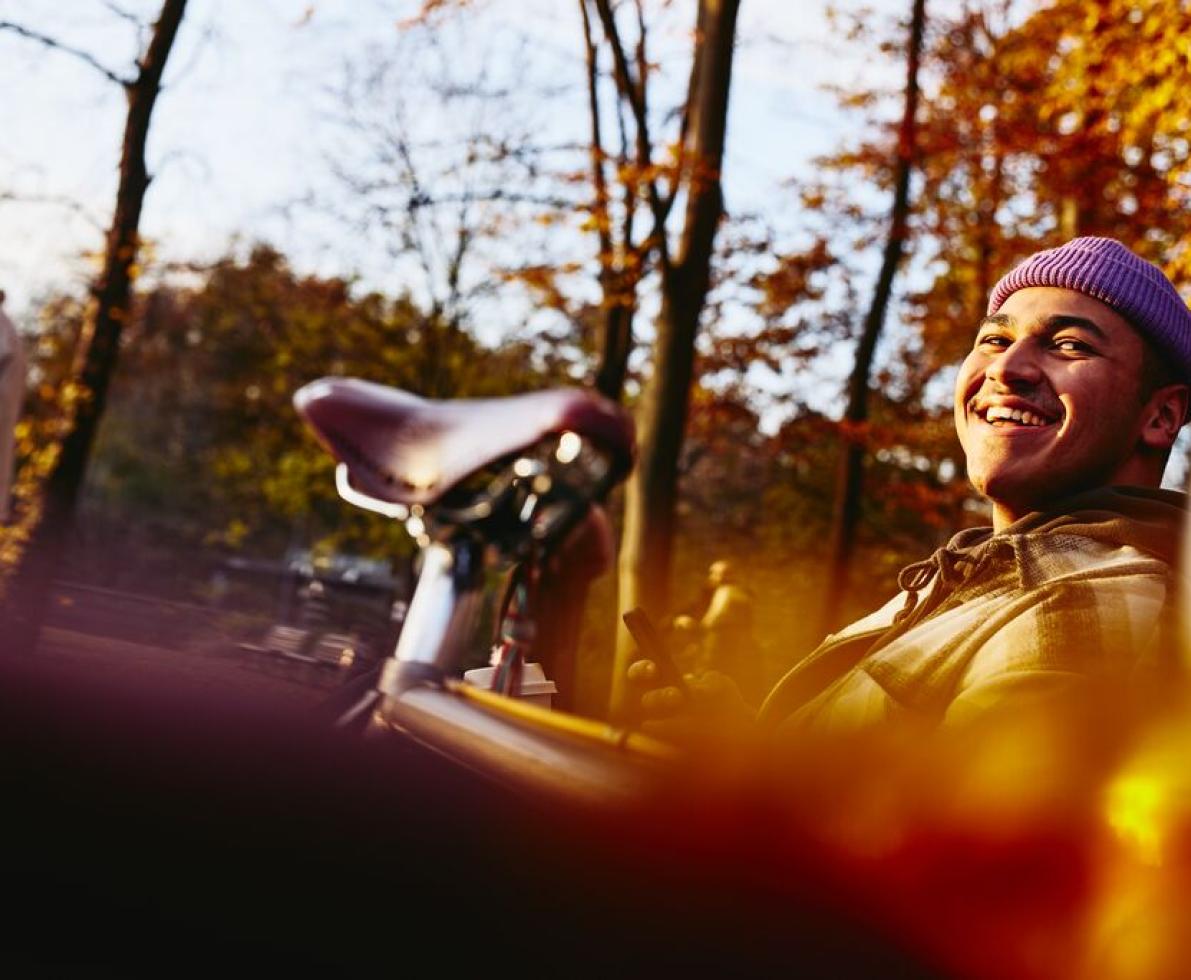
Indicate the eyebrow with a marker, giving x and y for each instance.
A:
(1052, 323)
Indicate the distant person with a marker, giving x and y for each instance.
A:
(684, 630)
(727, 641)
(13, 367)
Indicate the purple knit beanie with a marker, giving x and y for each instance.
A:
(1106, 270)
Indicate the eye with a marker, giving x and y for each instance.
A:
(1072, 345)
(993, 341)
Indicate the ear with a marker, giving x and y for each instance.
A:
(1166, 412)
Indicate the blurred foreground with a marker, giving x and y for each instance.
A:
(156, 818)
(155, 824)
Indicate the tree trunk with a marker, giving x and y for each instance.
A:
(618, 287)
(617, 342)
(850, 474)
(650, 497)
(98, 348)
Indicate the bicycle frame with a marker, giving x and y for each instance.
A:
(492, 528)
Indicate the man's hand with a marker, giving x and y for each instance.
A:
(711, 708)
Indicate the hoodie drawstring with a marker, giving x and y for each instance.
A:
(915, 577)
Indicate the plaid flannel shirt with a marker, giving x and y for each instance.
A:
(1040, 609)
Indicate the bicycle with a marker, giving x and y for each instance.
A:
(488, 488)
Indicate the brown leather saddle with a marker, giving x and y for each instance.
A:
(409, 450)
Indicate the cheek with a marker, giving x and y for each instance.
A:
(1099, 405)
(967, 382)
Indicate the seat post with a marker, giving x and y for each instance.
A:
(441, 619)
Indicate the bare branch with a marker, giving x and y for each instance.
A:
(209, 35)
(633, 92)
(642, 81)
(49, 42)
(642, 59)
(53, 200)
(417, 199)
(623, 74)
(455, 261)
(599, 181)
(685, 124)
(124, 14)
(488, 196)
(413, 231)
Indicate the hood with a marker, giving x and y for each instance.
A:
(1150, 520)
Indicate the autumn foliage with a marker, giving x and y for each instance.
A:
(1034, 122)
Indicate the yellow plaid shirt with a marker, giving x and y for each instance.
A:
(1052, 602)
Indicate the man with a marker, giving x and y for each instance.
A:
(723, 633)
(1066, 407)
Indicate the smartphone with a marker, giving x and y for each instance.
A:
(645, 635)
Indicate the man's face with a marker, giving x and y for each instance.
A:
(1048, 402)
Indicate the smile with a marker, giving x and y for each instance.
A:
(1004, 417)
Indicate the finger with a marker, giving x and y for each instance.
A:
(662, 701)
(713, 686)
(643, 673)
(676, 730)
(708, 682)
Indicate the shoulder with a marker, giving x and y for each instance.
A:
(1069, 607)
(1106, 620)
(1062, 556)
(1075, 594)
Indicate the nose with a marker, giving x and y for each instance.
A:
(1016, 365)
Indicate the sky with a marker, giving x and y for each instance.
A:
(245, 124)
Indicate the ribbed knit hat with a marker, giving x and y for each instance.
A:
(1106, 270)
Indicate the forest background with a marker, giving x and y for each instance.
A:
(498, 197)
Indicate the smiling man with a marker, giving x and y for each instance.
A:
(1067, 407)
(1061, 393)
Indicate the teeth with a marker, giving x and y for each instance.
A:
(999, 413)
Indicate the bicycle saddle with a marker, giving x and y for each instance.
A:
(409, 450)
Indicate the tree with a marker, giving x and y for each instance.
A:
(49, 524)
(1055, 126)
(459, 168)
(852, 450)
(1034, 126)
(201, 453)
(623, 253)
(653, 207)
(684, 269)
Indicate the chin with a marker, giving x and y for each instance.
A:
(1012, 494)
